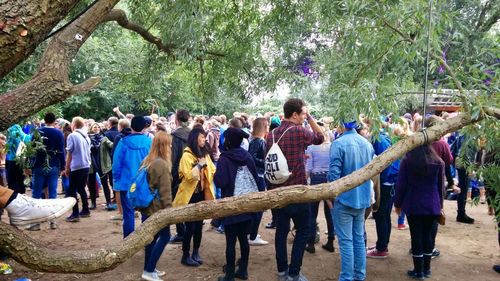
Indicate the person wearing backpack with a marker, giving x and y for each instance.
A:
(158, 165)
(196, 172)
(127, 158)
(236, 175)
(285, 165)
(179, 142)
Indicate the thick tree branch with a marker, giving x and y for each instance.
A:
(482, 15)
(51, 83)
(36, 255)
(24, 24)
(87, 85)
(483, 24)
(121, 18)
(492, 111)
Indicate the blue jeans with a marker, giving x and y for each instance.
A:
(128, 215)
(43, 178)
(383, 217)
(299, 213)
(349, 227)
(153, 251)
(65, 183)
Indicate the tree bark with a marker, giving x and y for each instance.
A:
(37, 256)
(51, 83)
(24, 24)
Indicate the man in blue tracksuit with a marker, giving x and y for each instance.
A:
(127, 158)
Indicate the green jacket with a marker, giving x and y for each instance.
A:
(104, 155)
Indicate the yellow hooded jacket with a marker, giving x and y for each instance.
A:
(189, 181)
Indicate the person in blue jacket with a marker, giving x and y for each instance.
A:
(127, 158)
(231, 160)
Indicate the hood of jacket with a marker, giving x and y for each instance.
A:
(182, 133)
(237, 155)
(136, 141)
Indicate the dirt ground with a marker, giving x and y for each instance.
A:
(467, 252)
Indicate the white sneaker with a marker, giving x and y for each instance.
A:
(25, 210)
(257, 242)
(151, 276)
(160, 273)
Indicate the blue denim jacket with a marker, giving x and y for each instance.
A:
(349, 153)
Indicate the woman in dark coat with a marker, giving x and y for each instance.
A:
(236, 169)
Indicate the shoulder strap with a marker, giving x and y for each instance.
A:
(83, 136)
(281, 134)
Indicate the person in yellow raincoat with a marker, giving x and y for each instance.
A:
(196, 173)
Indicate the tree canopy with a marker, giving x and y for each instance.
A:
(212, 56)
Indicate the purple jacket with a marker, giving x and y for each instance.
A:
(419, 195)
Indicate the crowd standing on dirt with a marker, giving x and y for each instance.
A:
(189, 159)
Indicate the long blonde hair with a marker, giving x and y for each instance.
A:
(161, 148)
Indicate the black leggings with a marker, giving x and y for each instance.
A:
(193, 228)
(77, 182)
(94, 189)
(421, 228)
(237, 231)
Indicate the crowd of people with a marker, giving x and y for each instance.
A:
(190, 159)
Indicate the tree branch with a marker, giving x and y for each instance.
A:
(482, 15)
(36, 255)
(121, 18)
(403, 35)
(32, 17)
(51, 84)
(492, 111)
(87, 85)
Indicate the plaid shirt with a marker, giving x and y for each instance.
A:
(293, 145)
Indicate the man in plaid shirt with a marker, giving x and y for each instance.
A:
(293, 144)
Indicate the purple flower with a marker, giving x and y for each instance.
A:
(487, 81)
(441, 69)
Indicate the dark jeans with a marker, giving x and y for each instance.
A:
(77, 182)
(128, 215)
(383, 217)
(193, 229)
(105, 187)
(153, 251)
(463, 183)
(15, 177)
(318, 179)
(255, 223)
(300, 214)
(237, 231)
(421, 234)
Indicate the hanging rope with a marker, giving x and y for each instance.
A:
(427, 63)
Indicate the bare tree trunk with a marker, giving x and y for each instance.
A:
(37, 256)
(24, 24)
(51, 83)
